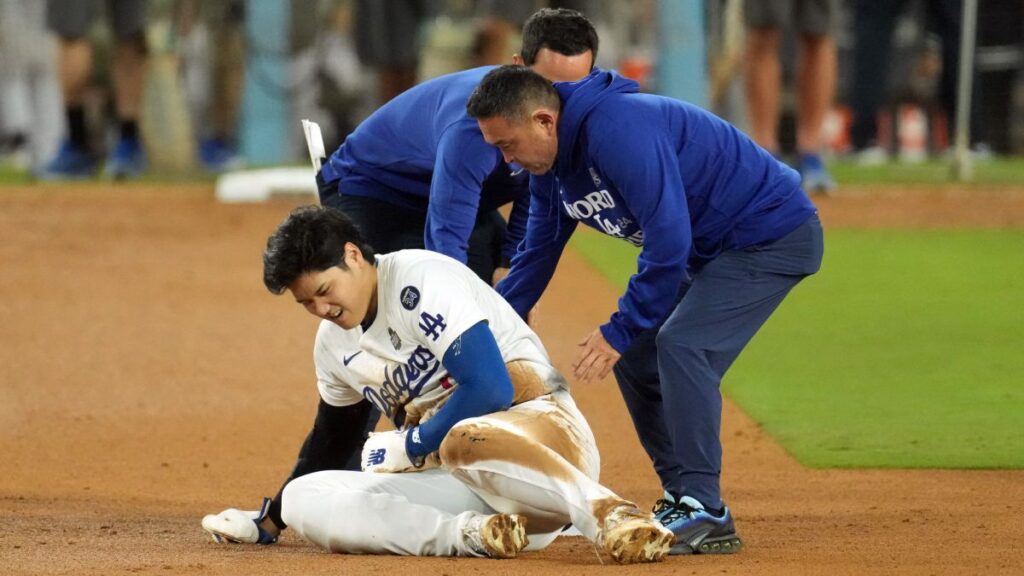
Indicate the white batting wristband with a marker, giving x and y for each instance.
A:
(385, 452)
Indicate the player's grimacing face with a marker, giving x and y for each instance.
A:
(532, 143)
(343, 296)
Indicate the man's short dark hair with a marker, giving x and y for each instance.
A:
(562, 30)
(311, 239)
(511, 92)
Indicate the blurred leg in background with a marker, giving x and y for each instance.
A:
(31, 122)
(211, 53)
(763, 73)
(343, 82)
(872, 42)
(71, 20)
(945, 18)
(387, 40)
(129, 19)
(874, 23)
(815, 83)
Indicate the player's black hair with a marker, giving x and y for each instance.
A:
(562, 30)
(311, 239)
(511, 92)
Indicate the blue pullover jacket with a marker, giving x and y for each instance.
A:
(674, 179)
(421, 151)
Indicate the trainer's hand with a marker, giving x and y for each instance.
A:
(594, 358)
(242, 526)
(385, 452)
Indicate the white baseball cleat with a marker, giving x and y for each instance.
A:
(631, 536)
(496, 535)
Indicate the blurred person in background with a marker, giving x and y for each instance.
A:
(30, 101)
(387, 40)
(816, 79)
(210, 49)
(874, 23)
(71, 20)
(342, 79)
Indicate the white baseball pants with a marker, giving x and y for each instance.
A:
(538, 459)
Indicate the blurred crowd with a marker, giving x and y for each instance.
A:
(121, 87)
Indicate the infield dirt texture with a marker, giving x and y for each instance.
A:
(147, 378)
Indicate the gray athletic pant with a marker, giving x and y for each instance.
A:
(671, 374)
(73, 18)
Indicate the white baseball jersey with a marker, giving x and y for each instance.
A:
(425, 301)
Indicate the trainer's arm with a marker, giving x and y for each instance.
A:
(548, 230)
(515, 231)
(463, 162)
(643, 166)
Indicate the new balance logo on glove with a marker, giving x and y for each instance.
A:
(386, 452)
(376, 457)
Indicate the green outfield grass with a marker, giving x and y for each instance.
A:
(12, 176)
(1006, 170)
(906, 350)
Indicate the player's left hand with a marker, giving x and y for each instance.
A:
(385, 452)
(594, 358)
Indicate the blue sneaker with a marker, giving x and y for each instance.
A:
(217, 156)
(70, 163)
(697, 531)
(126, 160)
(814, 178)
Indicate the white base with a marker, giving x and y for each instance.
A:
(261, 185)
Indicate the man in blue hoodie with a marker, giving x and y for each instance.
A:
(725, 233)
(418, 174)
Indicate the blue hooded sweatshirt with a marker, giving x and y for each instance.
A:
(669, 177)
(422, 152)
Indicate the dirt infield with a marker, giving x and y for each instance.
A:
(147, 378)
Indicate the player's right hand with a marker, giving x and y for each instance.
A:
(239, 526)
(385, 452)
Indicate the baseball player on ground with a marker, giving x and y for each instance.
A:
(489, 453)
(725, 231)
(418, 174)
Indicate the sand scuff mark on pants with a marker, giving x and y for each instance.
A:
(527, 383)
(527, 438)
